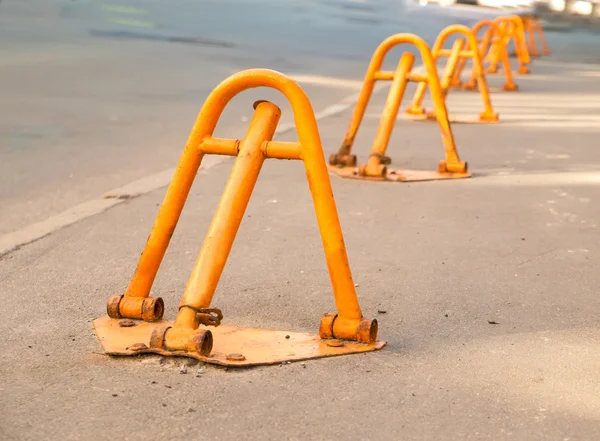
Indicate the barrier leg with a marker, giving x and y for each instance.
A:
(136, 303)
(478, 80)
(451, 64)
(456, 81)
(223, 229)
(484, 49)
(416, 108)
(509, 85)
(377, 159)
(542, 36)
(530, 32)
(493, 56)
(522, 51)
(488, 113)
(452, 163)
(343, 156)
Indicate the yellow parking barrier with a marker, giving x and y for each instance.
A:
(511, 29)
(455, 54)
(343, 163)
(134, 322)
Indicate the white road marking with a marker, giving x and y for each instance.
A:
(318, 80)
(531, 110)
(551, 179)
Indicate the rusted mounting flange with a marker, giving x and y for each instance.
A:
(489, 117)
(362, 331)
(150, 309)
(385, 160)
(342, 160)
(524, 70)
(378, 171)
(415, 110)
(453, 167)
(182, 339)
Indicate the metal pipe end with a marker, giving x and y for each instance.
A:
(157, 339)
(367, 331)
(342, 160)
(112, 307)
(153, 309)
(326, 327)
(202, 342)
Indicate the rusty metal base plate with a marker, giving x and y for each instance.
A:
(257, 346)
(397, 175)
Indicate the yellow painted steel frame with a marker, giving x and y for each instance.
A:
(454, 55)
(343, 163)
(516, 33)
(188, 335)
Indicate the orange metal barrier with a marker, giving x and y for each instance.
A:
(512, 29)
(343, 163)
(189, 334)
(454, 55)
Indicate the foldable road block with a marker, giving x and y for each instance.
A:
(343, 163)
(134, 323)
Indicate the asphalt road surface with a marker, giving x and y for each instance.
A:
(97, 94)
(485, 289)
